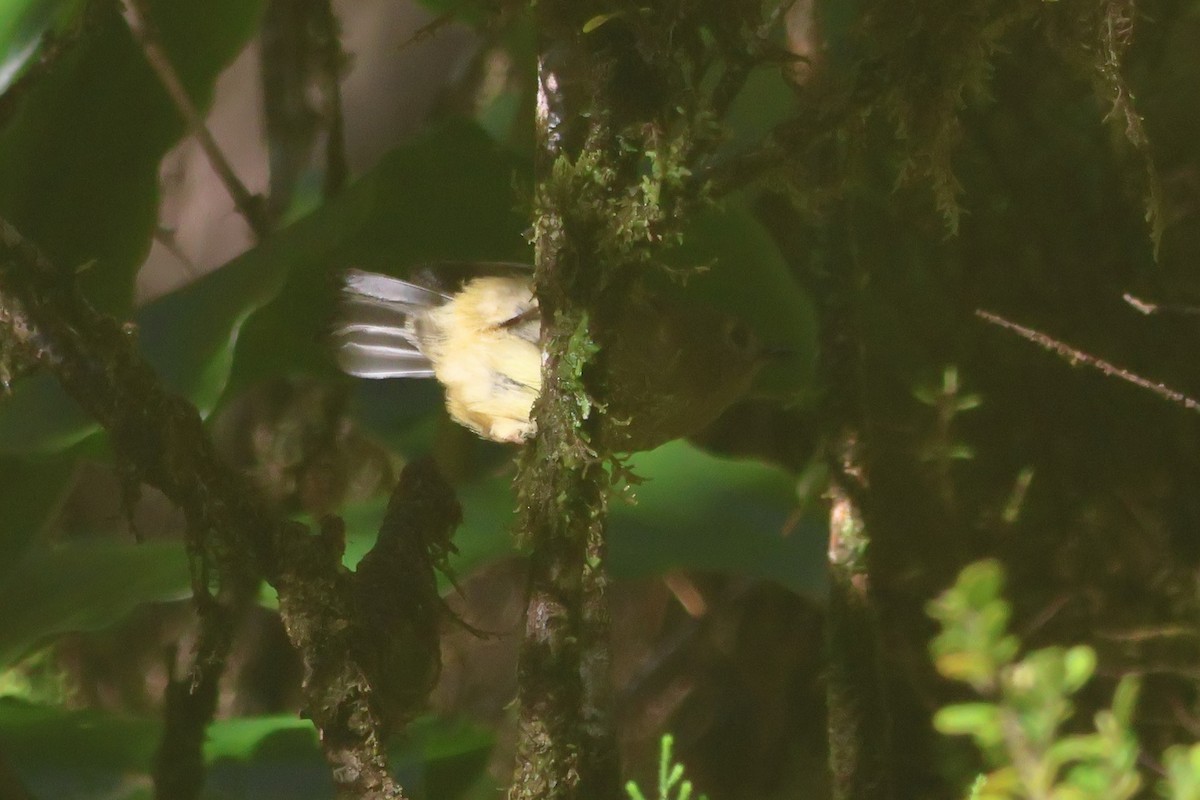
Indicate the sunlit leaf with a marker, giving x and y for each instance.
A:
(23, 23)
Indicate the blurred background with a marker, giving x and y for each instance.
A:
(937, 160)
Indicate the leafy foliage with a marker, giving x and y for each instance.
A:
(81, 753)
(671, 783)
(1019, 725)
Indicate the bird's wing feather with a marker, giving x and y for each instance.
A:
(380, 358)
(389, 289)
(449, 277)
(375, 333)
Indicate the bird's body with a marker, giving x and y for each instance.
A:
(674, 369)
(481, 343)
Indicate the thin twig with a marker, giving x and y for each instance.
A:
(248, 205)
(429, 29)
(1074, 356)
(1149, 309)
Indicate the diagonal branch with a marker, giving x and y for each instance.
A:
(355, 691)
(1074, 356)
(248, 205)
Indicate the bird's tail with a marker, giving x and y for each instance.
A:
(376, 332)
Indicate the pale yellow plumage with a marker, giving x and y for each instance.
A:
(674, 368)
(492, 375)
(480, 342)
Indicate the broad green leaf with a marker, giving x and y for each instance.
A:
(79, 158)
(693, 511)
(409, 210)
(764, 102)
(65, 753)
(30, 494)
(79, 754)
(79, 177)
(40, 418)
(84, 586)
(749, 278)
(697, 511)
(23, 23)
(241, 737)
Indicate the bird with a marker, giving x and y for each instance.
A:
(476, 328)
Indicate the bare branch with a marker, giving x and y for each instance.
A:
(1074, 356)
(248, 205)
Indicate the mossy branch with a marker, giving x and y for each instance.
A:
(355, 687)
(860, 748)
(563, 483)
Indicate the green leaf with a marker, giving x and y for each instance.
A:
(84, 586)
(64, 753)
(981, 582)
(84, 754)
(598, 20)
(79, 177)
(30, 493)
(399, 215)
(1182, 767)
(750, 279)
(240, 737)
(697, 511)
(764, 102)
(1079, 747)
(1079, 663)
(1125, 699)
(40, 418)
(974, 719)
(79, 157)
(693, 511)
(250, 757)
(23, 23)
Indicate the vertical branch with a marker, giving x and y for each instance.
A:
(859, 720)
(601, 765)
(566, 748)
(859, 717)
(189, 704)
(860, 751)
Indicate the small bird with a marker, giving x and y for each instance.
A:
(673, 368)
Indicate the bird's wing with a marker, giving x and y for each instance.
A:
(375, 333)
